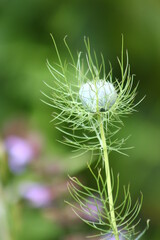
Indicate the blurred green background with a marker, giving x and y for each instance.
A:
(25, 44)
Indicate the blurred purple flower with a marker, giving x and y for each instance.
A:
(120, 238)
(94, 207)
(111, 237)
(20, 153)
(36, 194)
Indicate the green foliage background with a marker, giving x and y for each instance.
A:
(25, 44)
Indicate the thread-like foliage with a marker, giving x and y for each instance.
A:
(68, 78)
(93, 207)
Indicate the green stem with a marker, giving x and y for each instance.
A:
(108, 178)
(4, 216)
(4, 228)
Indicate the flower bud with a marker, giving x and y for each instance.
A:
(98, 96)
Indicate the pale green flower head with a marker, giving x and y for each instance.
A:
(98, 96)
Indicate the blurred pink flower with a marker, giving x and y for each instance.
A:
(20, 153)
(36, 194)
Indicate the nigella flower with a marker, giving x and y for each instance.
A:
(82, 90)
(20, 153)
(98, 96)
(36, 194)
(91, 103)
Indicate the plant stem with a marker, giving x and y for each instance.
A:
(4, 228)
(108, 178)
(4, 218)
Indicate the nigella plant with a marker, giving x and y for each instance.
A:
(89, 105)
